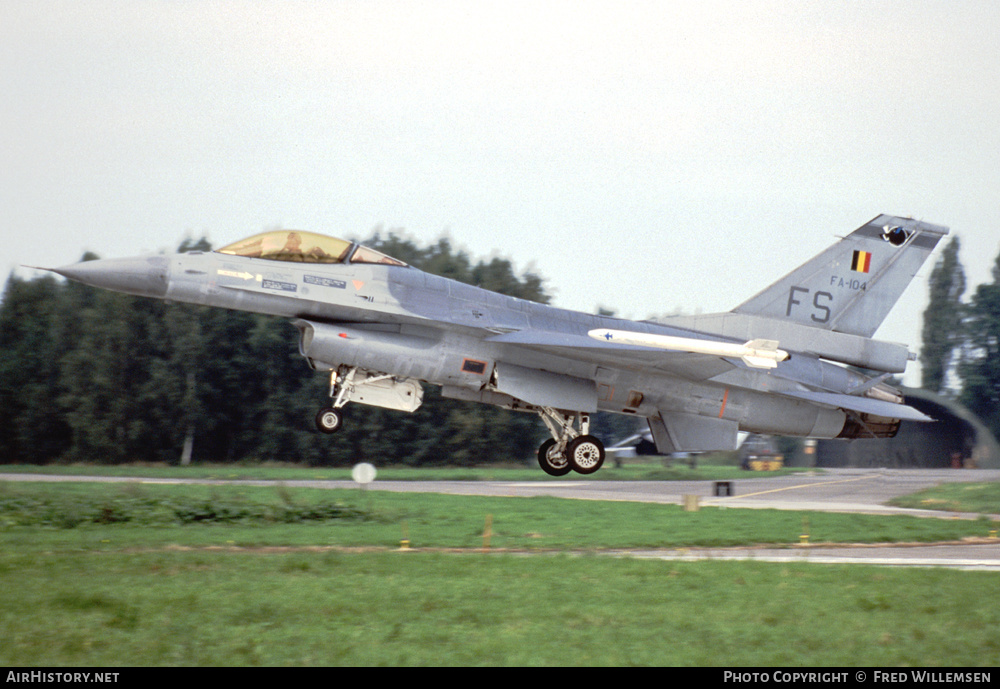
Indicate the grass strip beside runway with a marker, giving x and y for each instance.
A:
(141, 575)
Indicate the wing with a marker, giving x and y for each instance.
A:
(585, 348)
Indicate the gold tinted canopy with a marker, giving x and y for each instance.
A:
(305, 247)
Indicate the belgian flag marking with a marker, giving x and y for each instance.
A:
(862, 261)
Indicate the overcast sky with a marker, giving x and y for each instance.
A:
(642, 156)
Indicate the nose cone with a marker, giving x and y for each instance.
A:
(145, 276)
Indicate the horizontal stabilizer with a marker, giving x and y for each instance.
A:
(864, 405)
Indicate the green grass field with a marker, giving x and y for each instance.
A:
(258, 607)
(982, 498)
(721, 467)
(145, 575)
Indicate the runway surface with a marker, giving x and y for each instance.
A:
(833, 490)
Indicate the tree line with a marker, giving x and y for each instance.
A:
(960, 356)
(88, 375)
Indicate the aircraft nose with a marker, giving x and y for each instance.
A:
(145, 276)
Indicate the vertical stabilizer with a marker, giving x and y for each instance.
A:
(852, 286)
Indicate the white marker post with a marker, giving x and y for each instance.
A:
(363, 474)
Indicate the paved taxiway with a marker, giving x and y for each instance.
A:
(833, 490)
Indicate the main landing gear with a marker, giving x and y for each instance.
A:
(569, 449)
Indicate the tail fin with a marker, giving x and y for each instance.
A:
(851, 287)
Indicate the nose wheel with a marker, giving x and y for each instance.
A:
(329, 420)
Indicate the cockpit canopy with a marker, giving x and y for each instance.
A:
(306, 247)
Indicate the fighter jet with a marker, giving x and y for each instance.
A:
(784, 362)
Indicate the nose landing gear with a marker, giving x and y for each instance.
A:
(353, 384)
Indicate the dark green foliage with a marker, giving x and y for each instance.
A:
(95, 376)
(980, 369)
(71, 509)
(34, 335)
(972, 329)
(942, 331)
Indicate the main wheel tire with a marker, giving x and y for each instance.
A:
(552, 463)
(329, 420)
(585, 454)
